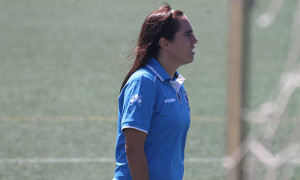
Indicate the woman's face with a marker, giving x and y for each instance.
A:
(182, 46)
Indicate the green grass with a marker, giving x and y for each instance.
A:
(63, 57)
(39, 139)
(60, 66)
(63, 171)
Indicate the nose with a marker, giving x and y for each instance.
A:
(195, 40)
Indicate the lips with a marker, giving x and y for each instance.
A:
(192, 50)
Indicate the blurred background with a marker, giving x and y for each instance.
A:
(61, 68)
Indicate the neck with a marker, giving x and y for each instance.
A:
(168, 64)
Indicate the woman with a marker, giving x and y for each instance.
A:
(154, 114)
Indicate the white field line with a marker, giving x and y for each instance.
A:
(55, 160)
(92, 118)
(88, 160)
(105, 160)
(115, 118)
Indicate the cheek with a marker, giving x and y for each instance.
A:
(176, 46)
(181, 44)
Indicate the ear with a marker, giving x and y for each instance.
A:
(164, 44)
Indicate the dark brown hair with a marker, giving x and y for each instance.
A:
(160, 23)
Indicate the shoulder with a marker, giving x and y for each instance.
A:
(142, 80)
(143, 75)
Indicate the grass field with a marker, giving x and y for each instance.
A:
(60, 75)
(68, 139)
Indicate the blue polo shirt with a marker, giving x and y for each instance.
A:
(154, 103)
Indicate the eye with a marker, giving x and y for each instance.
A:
(188, 33)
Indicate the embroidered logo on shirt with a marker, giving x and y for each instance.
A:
(169, 100)
(136, 98)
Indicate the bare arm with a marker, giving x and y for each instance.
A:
(134, 146)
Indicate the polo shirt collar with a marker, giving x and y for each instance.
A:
(154, 65)
(161, 73)
(177, 83)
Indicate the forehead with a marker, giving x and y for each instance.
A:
(184, 23)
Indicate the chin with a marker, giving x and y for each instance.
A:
(186, 60)
(190, 60)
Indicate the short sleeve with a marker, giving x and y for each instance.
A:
(139, 97)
